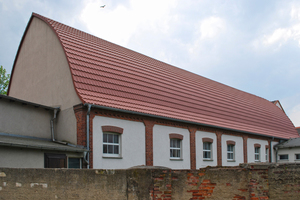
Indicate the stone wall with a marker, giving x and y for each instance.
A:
(248, 181)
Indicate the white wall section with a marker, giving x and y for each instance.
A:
(132, 144)
(161, 147)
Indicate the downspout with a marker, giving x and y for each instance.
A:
(87, 159)
(271, 155)
(276, 149)
(52, 124)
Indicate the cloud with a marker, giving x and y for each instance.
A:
(119, 23)
(294, 114)
(282, 35)
(211, 27)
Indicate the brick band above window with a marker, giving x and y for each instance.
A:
(230, 142)
(207, 140)
(256, 145)
(175, 136)
(267, 147)
(113, 129)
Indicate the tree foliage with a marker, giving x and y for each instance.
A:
(4, 80)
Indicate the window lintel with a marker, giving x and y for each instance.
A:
(113, 129)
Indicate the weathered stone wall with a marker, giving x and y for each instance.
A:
(249, 181)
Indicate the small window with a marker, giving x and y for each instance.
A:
(74, 163)
(230, 152)
(175, 148)
(267, 154)
(297, 156)
(257, 154)
(207, 151)
(111, 144)
(55, 160)
(284, 157)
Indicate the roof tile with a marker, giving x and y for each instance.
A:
(109, 75)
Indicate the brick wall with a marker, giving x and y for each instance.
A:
(81, 112)
(249, 181)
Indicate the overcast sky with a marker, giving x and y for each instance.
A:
(251, 45)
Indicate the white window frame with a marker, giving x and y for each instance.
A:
(257, 154)
(176, 149)
(285, 159)
(267, 154)
(230, 152)
(296, 156)
(117, 155)
(208, 151)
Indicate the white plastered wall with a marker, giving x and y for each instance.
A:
(238, 150)
(291, 152)
(132, 144)
(161, 147)
(200, 163)
(250, 149)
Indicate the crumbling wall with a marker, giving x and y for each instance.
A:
(248, 181)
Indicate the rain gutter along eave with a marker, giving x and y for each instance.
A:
(177, 120)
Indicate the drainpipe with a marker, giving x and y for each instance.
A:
(271, 155)
(276, 149)
(88, 135)
(52, 125)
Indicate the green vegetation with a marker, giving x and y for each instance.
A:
(4, 80)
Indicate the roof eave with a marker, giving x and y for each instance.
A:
(178, 120)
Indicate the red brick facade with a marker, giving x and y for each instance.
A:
(81, 112)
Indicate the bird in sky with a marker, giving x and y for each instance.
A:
(102, 6)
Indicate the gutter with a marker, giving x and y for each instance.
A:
(177, 120)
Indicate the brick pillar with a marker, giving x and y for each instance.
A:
(245, 138)
(269, 142)
(192, 131)
(80, 114)
(149, 141)
(219, 148)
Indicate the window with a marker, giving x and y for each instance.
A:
(284, 157)
(257, 152)
(175, 146)
(112, 141)
(297, 156)
(207, 150)
(111, 144)
(230, 152)
(55, 160)
(267, 153)
(74, 163)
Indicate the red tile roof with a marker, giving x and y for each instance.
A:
(109, 75)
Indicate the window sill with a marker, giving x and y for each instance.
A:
(112, 157)
(208, 160)
(176, 159)
(231, 161)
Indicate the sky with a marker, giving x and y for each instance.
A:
(251, 45)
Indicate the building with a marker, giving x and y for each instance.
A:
(288, 151)
(128, 109)
(27, 137)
